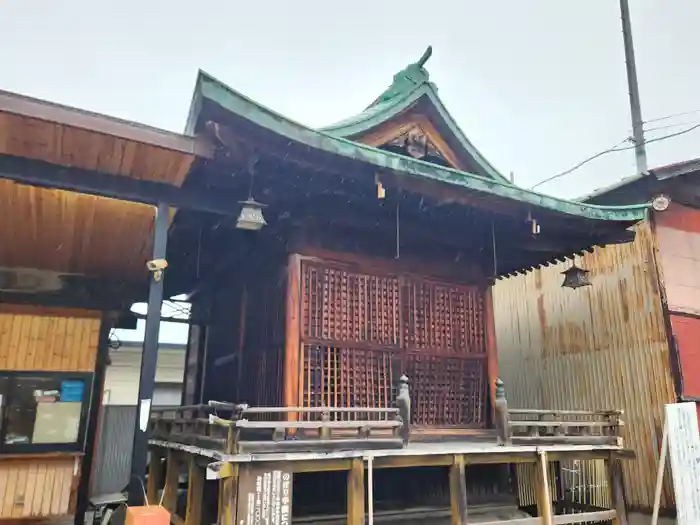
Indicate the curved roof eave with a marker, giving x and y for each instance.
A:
(244, 107)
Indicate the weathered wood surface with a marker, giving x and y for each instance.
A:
(48, 339)
(38, 487)
(313, 428)
(355, 467)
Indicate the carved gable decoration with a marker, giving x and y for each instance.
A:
(416, 143)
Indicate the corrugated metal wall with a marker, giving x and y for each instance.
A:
(603, 346)
(113, 458)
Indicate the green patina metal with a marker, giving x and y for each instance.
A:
(234, 102)
(410, 85)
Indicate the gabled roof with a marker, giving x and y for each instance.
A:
(410, 87)
(315, 142)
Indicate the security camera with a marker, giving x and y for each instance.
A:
(157, 265)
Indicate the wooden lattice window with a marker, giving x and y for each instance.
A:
(361, 331)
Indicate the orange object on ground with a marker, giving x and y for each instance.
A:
(153, 515)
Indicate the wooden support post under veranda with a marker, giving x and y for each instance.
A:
(231, 476)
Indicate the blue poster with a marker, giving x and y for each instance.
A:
(72, 390)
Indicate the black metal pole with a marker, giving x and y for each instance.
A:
(149, 357)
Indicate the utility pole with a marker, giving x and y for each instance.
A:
(640, 151)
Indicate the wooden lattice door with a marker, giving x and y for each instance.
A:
(360, 331)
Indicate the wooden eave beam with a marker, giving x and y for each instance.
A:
(93, 122)
(52, 176)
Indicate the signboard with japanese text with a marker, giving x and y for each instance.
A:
(264, 496)
(684, 451)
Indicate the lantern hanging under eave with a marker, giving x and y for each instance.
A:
(575, 277)
(251, 216)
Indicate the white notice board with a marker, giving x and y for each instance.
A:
(684, 451)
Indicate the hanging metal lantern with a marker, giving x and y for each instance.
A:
(575, 277)
(251, 216)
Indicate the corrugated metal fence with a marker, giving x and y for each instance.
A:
(112, 461)
(603, 346)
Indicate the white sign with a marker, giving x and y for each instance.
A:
(684, 451)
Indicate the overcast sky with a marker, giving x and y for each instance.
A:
(537, 85)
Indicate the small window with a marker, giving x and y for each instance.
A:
(43, 411)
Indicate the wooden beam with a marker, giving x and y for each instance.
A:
(95, 123)
(195, 493)
(46, 175)
(617, 494)
(156, 477)
(458, 491)
(292, 345)
(491, 349)
(228, 497)
(356, 493)
(543, 494)
(172, 476)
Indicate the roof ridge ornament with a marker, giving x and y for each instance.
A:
(425, 57)
(408, 79)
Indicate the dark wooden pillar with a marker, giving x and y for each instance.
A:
(195, 492)
(149, 356)
(156, 477)
(172, 476)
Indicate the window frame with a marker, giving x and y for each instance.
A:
(13, 376)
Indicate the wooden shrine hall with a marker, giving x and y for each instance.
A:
(341, 362)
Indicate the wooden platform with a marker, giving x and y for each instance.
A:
(237, 473)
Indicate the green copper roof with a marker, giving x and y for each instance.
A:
(409, 85)
(232, 101)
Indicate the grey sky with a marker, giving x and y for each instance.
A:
(537, 85)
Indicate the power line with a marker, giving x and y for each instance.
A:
(667, 117)
(613, 149)
(583, 162)
(668, 126)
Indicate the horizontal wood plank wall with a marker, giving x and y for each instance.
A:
(50, 340)
(38, 487)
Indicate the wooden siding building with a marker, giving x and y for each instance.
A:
(630, 340)
(70, 263)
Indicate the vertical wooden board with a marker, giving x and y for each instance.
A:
(4, 479)
(684, 451)
(10, 490)
(31, 489)
(20, 492)
(48, 491)
(57, 490)
(13, 321)
(39, 491)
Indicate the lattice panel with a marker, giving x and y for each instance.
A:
(348, 377)
(344, 306)
(447, 391)
(443, 318)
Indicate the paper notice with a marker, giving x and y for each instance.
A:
(144, 414)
